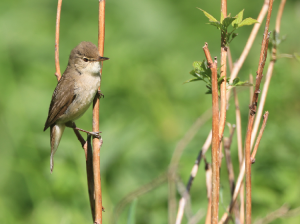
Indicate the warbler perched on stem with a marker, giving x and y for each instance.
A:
(74, 92)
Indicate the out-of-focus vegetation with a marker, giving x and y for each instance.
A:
(146, 109)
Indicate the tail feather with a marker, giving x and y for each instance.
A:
(56, 132)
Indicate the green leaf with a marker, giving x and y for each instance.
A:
(220, 80)
(193, 80)
(248, 21)
(232, 37)
(222, 17)
(239, 18)
(208, 91)
(193, 73)
(131, 215)
(197, 65)
(216, 24)
(235, 81)
(227, 21)
(210, 17)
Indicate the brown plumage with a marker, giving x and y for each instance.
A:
(74, 92)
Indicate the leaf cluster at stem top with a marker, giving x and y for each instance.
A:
(236, 22)
(202, 72)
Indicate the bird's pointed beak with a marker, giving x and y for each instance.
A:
(102, 58)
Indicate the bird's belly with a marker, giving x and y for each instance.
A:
(85, 93)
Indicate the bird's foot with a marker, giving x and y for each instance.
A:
(94, 134)
(99, 94)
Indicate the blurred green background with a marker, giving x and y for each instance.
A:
(146, 110)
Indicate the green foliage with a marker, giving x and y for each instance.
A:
(202, 72)
(236, 22)
(275, 40)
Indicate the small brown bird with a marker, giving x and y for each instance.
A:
(74, 92)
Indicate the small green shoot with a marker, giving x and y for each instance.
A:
(202, 72)
(236, 22)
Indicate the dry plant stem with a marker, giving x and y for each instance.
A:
(171, 197)
(282, 211)
(193, 174)
(251, 87)
(268, 75)
(240, 152)
(90, 173)
(230, 63)
(253, 106)
(85, 144)
(215, 137)
(208, 174)
(259, 137)
(195, 168)
(98, 142)
(223, 73)
(235, 194)
(190, 134)
(57, 66)
(241, 60)
(181, 188)
(197, 217)
(227, 145)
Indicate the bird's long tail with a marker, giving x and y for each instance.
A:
(56, 132)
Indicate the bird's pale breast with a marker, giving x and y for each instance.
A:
(85, 90)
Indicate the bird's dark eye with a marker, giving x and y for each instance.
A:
(85, 59)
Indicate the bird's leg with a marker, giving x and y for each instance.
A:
(99, 94)
(72, 125)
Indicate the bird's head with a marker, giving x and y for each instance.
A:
(85, 57)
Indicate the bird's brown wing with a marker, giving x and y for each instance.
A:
(62, 97)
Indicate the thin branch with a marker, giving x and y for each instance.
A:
(230, 63)
(251, 87)
(239, 141)
(195, 168)
(85, 144)
(223, 73)
(279, 16)
(193, 174)
(253, 106)
(208, 175)
(259, 137)
(98, 142)
(172, 195)
(241, 60)
(227, 145)
(240, 152)
(283, 211)
(215, 136)
(184, 202)
(197, 217)
(268, 75)
(57, 66)
(190, 134)
(235, 194)
(90, 173)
